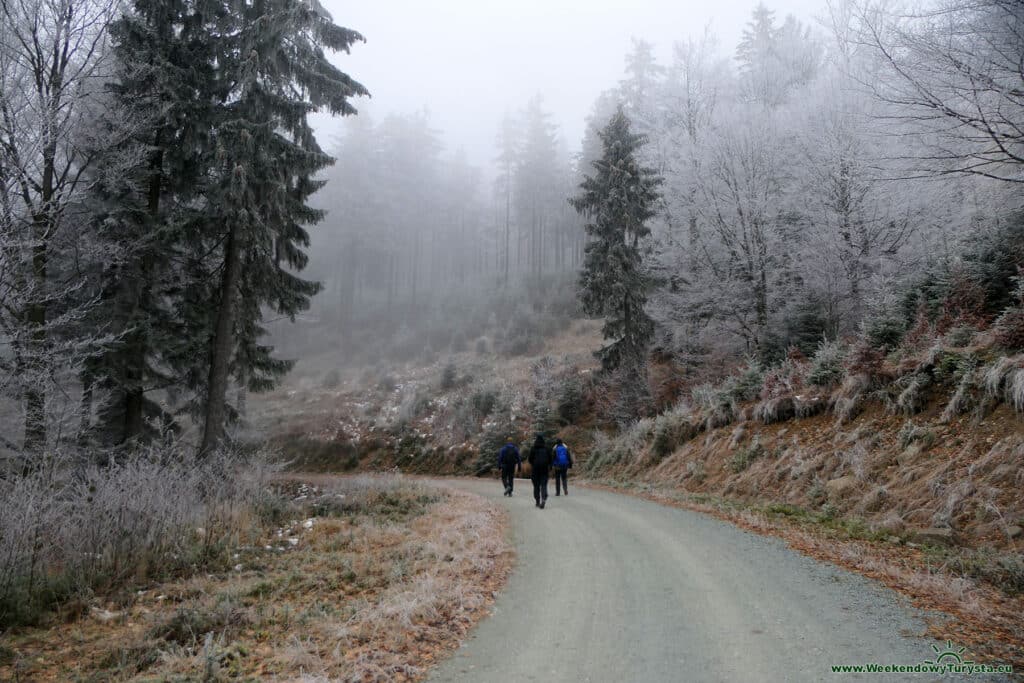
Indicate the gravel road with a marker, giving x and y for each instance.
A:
(610, 587)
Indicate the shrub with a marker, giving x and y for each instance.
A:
(784, 379)
(1004, 380)
(747, 385)
(570, 400)
(911, 397)
(449, 376)
(671, 430)
(542, 419)
(1009, 328)
(493, 438)
(959, 337)
(600, 451)
(911, 433)
(415, 403)
(774, 410)
(332, 380)
(964, 303)
(885, 325)
(746, 455)
(1005, 571)
(806, 323)
(717, 409)
(961, 400)
(484, 400)
(696, 470)
(827, 365)
(70, 526)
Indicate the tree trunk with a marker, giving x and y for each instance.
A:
(35, 392)
(242, 394)
(135, 393)
(222, 345)
(85, 407)
(508, 227)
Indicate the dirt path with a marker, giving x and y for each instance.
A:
(613, 588)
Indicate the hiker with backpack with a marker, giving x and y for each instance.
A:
(509, 461)
(540, 463)
(562, 463)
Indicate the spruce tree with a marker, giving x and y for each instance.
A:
(617, 201)
(267, 159)
(164, 101)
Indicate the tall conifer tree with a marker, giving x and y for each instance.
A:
(617, 202)
(267, 157)
(164, 104)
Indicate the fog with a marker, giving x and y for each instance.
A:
(469, 62)
(715, 183)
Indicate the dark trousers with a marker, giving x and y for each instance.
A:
(561, 480)
(508, 478)
(540, 486)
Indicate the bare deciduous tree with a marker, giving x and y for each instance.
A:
(51, 62)
(955, 80)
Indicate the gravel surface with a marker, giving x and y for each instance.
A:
(610, 587)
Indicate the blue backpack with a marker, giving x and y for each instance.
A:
(561, 456)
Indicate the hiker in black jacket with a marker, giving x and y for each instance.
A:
(540, 464)
(508, 462)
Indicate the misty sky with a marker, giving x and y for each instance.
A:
(467, 61)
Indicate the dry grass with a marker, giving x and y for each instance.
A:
(364, 579)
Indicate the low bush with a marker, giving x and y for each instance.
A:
(332, 380)
(911, 398)
(744, 456)
(967, 379)
(449, 376)
(415, 403)
(827, 365)
(485, 399)
(911, 433)
(569, 402)
(71, 526)
(1004, 381)
(747, 385)
(885, 325)
(718, 410)
(671, 430)
(1009, 326)
(959, 337)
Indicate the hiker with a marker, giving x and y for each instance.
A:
(540, 462)
(561, 465)
(509, 462)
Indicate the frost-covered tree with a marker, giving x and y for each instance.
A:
(775, 59)
(508, 152)
(953, 77)
(53, 60)
(618, 200)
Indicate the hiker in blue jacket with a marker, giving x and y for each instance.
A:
(540, 463)
(509, 462)
(562, 463)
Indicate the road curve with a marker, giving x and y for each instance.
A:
(610, 587)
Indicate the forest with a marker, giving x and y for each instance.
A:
(823, 218)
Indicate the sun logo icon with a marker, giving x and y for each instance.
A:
(949, 655)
